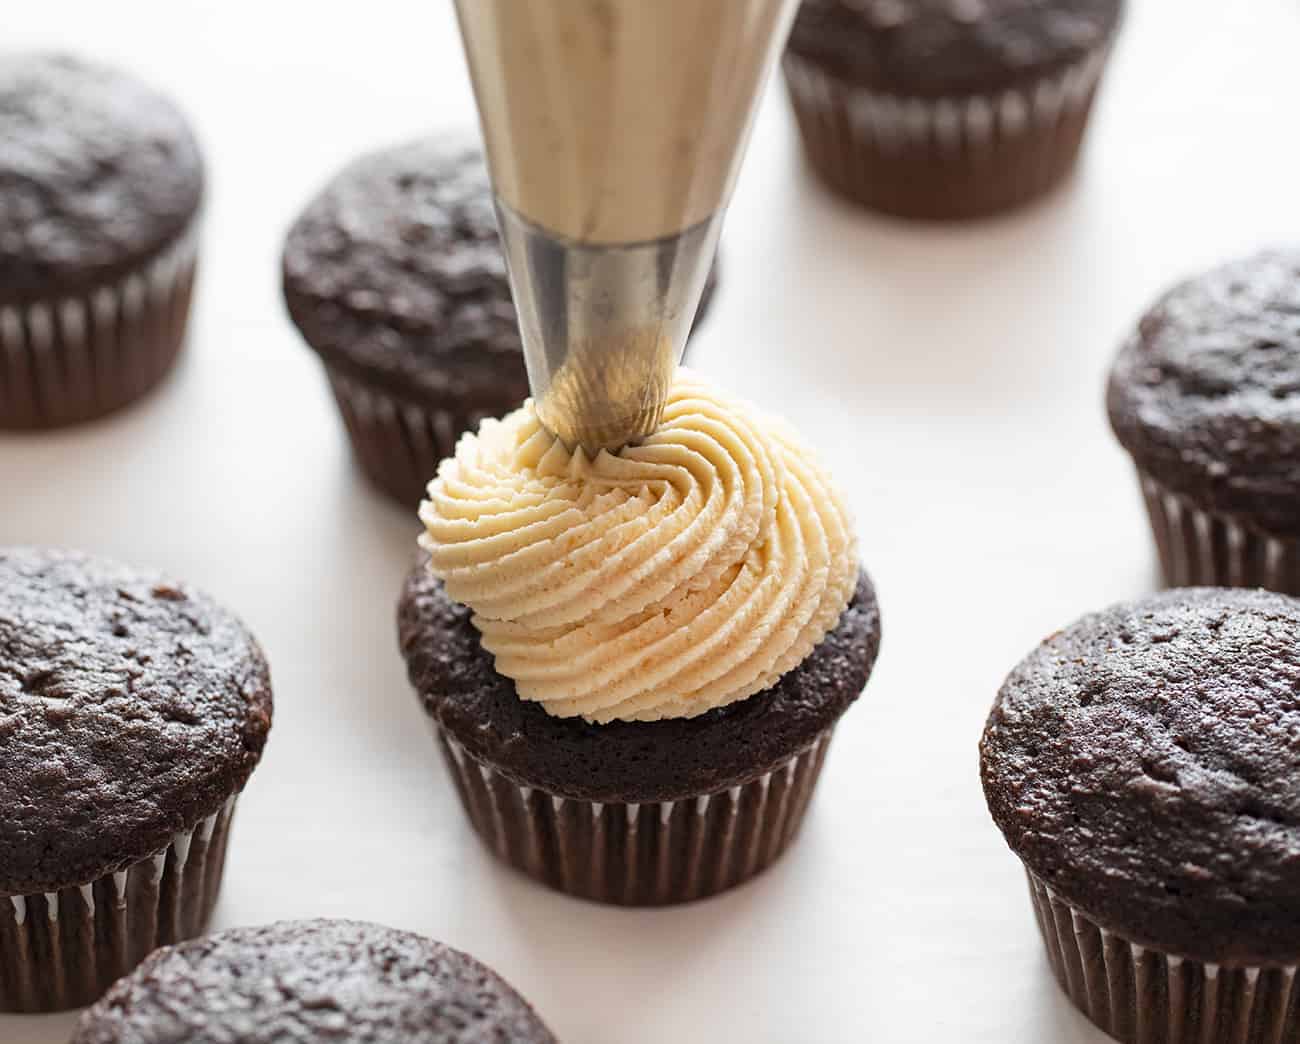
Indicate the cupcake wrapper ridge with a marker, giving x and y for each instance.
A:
(72, 359)
(1143, 996)
(1207, 548)
(647, 854)
(63, 949)
(949, 157)
(398, 444)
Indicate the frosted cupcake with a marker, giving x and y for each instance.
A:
(635, 662)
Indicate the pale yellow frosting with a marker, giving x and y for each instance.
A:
(678, 575)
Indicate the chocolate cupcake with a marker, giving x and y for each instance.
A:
(946, 109)
(635, 663)
(132, 711)
(341, 981)
(100, 185)
(1205, 396)
(1143, 764)
(394, 275)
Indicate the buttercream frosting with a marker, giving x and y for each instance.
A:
(680, 574)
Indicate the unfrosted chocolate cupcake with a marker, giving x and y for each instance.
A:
(637, 702)
(100, 186)
(946, 109)
(340, 981)
(132, 712)
(394, 275)
(1144, 765)
(1205, 396)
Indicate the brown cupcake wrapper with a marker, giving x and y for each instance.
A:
(1144, 996)
(960, 156)
(71, 359)
(647, 854)
(398, 444)
(63, 949)
(1208, 548)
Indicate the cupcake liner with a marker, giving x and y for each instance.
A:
(949, 157)
(71, 359)
(627, 854)
(398, 444)
(1207, 548)
(1143, 996)
(63, 949)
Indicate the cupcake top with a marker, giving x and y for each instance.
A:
(1144, 763)
(98, 172)
(627, 761)
(338, 981)
(395, 272)
(932, 48)
(1206, 394)
(131, 708)
(676, 576)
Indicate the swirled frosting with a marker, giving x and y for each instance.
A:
(672, 577)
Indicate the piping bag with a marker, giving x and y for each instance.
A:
(614, 130)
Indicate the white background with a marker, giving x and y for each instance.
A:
(952, 375)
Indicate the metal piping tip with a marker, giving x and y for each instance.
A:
(604, 325)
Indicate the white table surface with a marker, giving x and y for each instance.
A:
(952, 375)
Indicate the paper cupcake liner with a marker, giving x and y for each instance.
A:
(950, 157)
(63, 949)
(1207, 548)
(71, 359)
(398, 444)
(1143, 996)
(650, 854)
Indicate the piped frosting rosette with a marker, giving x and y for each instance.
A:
(675, 576)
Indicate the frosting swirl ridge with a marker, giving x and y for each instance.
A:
(678, 575)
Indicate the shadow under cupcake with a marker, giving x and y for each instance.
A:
(946, 109)
(394, 276)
